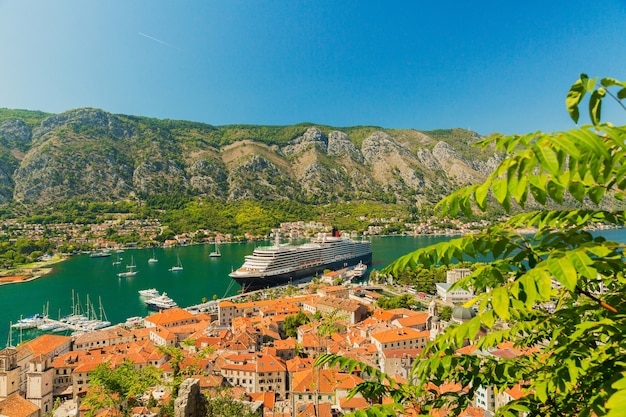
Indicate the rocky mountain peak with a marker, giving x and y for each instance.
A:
(83, 117)
(312, 137)
(15, 133)
(89, 153)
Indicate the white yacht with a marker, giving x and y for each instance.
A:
(149, 293)
(162, 302)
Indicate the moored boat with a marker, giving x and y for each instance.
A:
(178, 266)
(100, 254)
(131, 269)
(149, 293)
(216, 253)
(162, 302)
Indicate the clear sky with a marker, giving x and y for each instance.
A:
(491, 66)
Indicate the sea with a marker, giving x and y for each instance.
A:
(81, 279)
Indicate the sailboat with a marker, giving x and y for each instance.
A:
(131, 269)
(154, 259)
(118, 260)
(216, 253)
(10, 338)
(178, 266)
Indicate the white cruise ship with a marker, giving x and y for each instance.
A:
(281, 263)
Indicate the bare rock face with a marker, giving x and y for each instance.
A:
(455, 166)
(94, 118)
(156, 175)
(339, 144)
(15, 133)
(392, 165)
(259, 179)
(313, 137)
(426, 158)
(208, 177)
(190, 402)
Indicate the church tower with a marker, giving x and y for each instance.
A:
(432, 322)
(9, 373)
(40, 378)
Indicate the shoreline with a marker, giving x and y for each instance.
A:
(29, 272)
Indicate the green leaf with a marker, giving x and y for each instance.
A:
(547, 157)
(577, 190)
(596, 194)
(610, 82)
(544, 285)
(595, 105)
(480, 195)
(538, 187)
(574, 96)
(621, 94)
(556, 191)
(500, 190)
(588, 83)
(564, 142)
(563, 270)
(617, 403)
(500, 302)
(583, 264)
(488, 318)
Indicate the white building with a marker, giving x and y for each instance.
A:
(458, 295)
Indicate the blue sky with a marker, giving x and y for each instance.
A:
(491, 66)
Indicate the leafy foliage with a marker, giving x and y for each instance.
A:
(290, 327)
(222, 403)
(112, 388)
(401, 301)
(31, 117)
(558, 294)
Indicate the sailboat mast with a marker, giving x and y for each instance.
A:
(102, 312)
(10, 337)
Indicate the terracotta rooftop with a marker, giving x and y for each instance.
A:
(341, 303)
(516, 392)
(402, 353)
(329, 381)
(110, 333)
(415, 320)
(45, 344)
(16, 406)
(396, 335)
(383, 315)
(170, 316)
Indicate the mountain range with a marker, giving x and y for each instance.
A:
(95, 155)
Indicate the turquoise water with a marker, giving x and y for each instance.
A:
(202, 276)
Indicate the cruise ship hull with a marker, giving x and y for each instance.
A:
(251, 282)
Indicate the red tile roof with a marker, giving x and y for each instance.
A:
(16, 406)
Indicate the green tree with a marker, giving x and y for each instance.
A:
(401, 301)
(446, 313)
(222, 403)
(117, 388)
(559, 294)
(291, 324)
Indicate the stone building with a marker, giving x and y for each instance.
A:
(9, 373)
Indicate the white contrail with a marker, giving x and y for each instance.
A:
(157, 40)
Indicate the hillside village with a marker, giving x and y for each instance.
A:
(242, 346)
(94, 236)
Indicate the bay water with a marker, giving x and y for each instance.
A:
(202, 277)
